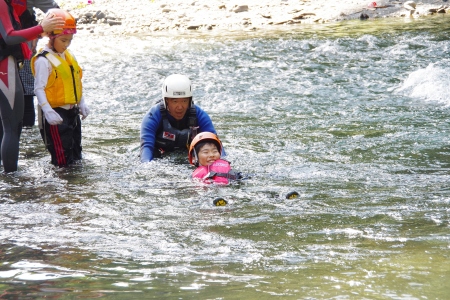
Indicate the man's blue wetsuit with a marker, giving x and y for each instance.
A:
(152, 130)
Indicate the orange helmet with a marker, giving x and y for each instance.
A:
(70, 24)
(202, 137)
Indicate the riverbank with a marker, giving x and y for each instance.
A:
(111, 17)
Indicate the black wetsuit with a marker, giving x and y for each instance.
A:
(12, 51)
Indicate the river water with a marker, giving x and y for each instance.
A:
(353, 116)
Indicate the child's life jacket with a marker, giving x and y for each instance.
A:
(219, 172)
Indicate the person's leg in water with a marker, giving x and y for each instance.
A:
(59, 139)
(11, 112)
(27, 78)
(76, 136)
(29, 114)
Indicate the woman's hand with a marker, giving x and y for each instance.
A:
(51, 23)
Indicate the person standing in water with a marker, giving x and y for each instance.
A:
(28, 19)
(13, 51)
(58, 88)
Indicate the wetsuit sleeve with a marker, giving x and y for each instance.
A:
(43, 5)
(205, 124)
(149, 126)
(11, 36)
(204, 121)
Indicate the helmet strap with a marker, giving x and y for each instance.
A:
(52, 44)
(195, 158)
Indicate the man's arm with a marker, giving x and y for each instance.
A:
(149, 126)
(205, 123)
(43, 5)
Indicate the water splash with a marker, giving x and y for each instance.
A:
(430, 84)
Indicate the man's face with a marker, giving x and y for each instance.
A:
(177, 107)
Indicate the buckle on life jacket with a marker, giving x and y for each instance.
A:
(230, 175)
(210, 175)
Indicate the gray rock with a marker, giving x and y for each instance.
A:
(112, 22)
(193, 27)
(240, 8)
(100, 15)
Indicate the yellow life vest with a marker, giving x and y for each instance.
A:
(64, 82)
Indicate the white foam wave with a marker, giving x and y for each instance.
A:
(431, 84)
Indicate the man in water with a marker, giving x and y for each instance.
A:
(172, 123)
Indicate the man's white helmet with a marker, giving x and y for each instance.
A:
(176, 86)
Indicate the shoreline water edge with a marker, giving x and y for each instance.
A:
(112, 17)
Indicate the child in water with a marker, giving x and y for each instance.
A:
(205, 153)
(58, 89)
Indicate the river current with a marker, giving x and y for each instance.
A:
(353, 116)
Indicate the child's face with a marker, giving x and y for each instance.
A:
(208, 154)
(62, 42)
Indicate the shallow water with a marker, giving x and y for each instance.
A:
(353, 116)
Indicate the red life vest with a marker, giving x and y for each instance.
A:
(19, 51)
(219, 172)
(19, 7)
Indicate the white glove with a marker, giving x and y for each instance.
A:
(84, 109)
(51, 116)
